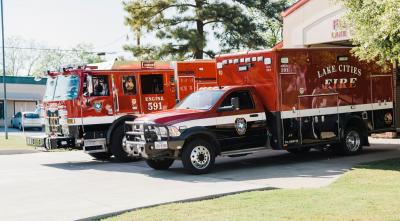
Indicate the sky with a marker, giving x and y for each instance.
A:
(65, 23)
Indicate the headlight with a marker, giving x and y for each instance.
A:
(162, 131)
(173, 131)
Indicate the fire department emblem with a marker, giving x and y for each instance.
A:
(98, 106)
(388, 118)
(241, 126)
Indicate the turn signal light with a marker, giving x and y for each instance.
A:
(70, 121)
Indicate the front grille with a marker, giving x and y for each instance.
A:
(53, 121)
(141, 132)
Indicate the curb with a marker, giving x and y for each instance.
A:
(195, 199)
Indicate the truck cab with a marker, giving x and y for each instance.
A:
(209, 122)
(86, 107)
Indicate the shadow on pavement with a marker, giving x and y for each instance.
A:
(268, 165)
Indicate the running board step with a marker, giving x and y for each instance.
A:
(244, 151)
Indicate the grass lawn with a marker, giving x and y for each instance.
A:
(14, 143)
(368, 192)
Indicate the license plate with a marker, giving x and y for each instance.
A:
(161, 145)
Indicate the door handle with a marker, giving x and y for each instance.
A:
(253, 115)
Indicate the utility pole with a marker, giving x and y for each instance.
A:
(4, 71)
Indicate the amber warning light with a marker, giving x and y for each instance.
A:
(147, 64)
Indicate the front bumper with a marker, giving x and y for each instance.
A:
(51, 142)
(150, 150)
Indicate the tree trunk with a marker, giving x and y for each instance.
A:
(198, 54)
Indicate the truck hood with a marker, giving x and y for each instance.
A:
(172, 116)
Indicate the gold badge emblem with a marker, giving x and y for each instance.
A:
(388, 118)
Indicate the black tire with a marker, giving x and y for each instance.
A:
(204, 155)
(116, 146)
(300, 150)
(351, 142)
(162, 164)
(101, 156)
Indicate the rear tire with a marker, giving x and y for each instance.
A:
(351, 143)
(101, 156)
(198, 157)
(116, 146)
(300, 150)
(163, 164)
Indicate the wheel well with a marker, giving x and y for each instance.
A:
(115, 124)
(205, 137)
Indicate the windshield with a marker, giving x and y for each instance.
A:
(62, 87)
(200, 100)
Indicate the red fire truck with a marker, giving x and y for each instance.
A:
(86, 107)
(290, 99)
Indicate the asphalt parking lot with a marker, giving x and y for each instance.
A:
(70, 185)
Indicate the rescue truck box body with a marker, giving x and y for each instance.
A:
(87, 107)
(291, 99)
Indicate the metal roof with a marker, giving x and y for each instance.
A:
(23, 80)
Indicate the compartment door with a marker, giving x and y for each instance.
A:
(382, 101)
(290, 110)
(186, 86)
(319, 118)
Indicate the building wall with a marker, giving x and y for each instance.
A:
(23, 94)
(14, 107)
(317, 22)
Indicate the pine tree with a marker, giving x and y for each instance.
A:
(184, 27)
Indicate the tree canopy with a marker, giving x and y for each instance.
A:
(374, 28)
(185, 27)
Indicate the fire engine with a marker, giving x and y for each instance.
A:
(290, 99)
(86, 107)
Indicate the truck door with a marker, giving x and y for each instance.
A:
(382, 102)
(153, 90)
(125, 94)
(97, 106)
(243, 128)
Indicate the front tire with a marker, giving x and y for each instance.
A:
(198, 157)
(117, 146)
(163, 164)
(351, 143)
(101, 156)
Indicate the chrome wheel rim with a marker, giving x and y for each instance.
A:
(353, 141)
(200, 157)
(124, 147)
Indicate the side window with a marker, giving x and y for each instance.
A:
(152, 84)
(245, 100)
(129, 85)
(100, 86)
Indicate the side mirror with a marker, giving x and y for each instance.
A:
(235, 103)
(89, 83)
